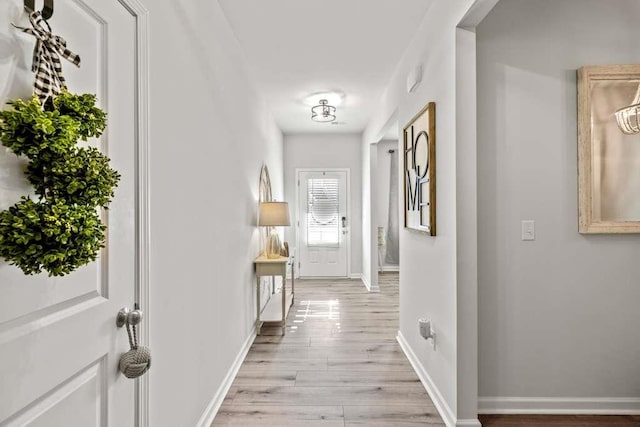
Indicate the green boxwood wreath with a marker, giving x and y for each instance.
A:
(61, 230)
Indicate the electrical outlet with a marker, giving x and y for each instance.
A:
(426, 331)
(528, 230)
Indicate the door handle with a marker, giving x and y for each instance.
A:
(130, 317)
(344, 222)
(137, 361)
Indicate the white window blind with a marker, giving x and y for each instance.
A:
(323, 212)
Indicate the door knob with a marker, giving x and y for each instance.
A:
(127, 316)
(121, 318)
(135, 317)
(137, 361)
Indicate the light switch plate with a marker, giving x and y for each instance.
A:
(528, 230)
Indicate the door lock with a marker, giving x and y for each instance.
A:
(344, 221)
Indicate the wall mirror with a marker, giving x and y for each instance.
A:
(264, 195)
(609, 149)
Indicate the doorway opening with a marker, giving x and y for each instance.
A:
(386, 209)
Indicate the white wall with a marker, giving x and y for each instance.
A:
(382, 188)
(558, 316)
(429, 265)
(327, 151)
(210, 133)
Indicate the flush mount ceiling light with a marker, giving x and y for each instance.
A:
(628, 118)
(323, 113)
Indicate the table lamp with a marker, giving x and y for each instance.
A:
(273, 214)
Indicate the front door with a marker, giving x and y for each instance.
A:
(323, 223)
(59, 344)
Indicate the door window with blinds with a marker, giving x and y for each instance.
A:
(323, 212)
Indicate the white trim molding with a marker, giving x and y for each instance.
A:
(207, 417)
(367, 284)
(365, 281)
(142, 202)
(560, 405)
(467, 423)
(434, 393)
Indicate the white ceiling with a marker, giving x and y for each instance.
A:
(297, 47)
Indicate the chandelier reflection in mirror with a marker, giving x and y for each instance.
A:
(629, 117)
(323, 113)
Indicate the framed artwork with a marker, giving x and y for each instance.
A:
(609, 149)
(419, 159)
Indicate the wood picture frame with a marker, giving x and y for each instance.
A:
(419, 171)
(608, 159)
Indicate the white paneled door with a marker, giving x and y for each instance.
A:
(323, 223)
(59, 344)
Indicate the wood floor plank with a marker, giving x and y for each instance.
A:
(403, 415)
(282, 340)
(293, 353)
(352, 338)
(391, 356)
(280, 415)
(343, 322)
(367, 364)
(364, 395)
(370, 348)
(265, 377)
(298, 352)
(286, 364)
(355, 378)
(294, 333)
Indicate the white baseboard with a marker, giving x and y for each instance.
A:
(560, 405)
(466, 423)
(438, 400)
(390, 268)
(375, 288)
(212, 408)
(355, 276)
(366, 283)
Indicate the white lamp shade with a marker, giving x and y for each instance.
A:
(274, 214)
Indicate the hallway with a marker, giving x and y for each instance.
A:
(338, 365)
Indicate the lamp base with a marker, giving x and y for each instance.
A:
(274, 246)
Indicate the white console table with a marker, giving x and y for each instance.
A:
(275, 311)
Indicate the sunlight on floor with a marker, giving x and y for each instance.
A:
(329, 310)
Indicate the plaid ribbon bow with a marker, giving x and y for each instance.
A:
(46, 58)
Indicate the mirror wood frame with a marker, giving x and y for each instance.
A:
(587, 223)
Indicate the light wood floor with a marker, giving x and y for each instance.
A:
(338, 365)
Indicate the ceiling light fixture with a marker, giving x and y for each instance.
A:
(323, 113)
(629, 117)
